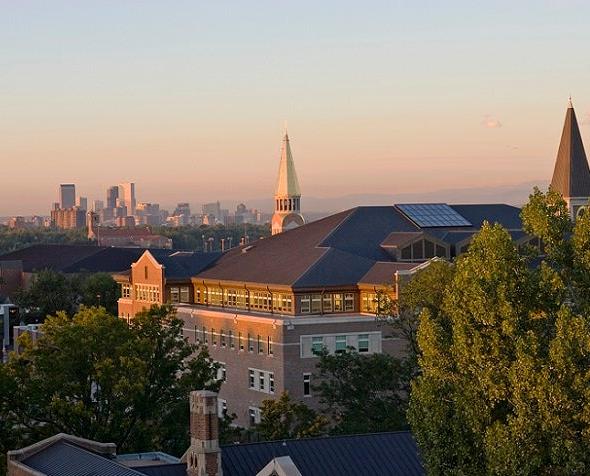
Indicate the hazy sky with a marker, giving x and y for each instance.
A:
(188, 98)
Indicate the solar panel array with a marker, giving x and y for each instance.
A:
(429, 215)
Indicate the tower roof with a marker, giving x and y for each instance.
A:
(287, 183)
(571, 176)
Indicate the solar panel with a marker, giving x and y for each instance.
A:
(428, 215)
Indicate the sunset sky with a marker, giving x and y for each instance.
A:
(188, 98)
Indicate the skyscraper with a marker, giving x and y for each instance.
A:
(127, 196)
(112, 196)
(82, 203)
(287, 213)
(67, 195)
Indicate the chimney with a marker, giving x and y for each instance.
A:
(203, 457)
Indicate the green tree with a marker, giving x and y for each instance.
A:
(49, 293)
(503, 387)
(284, 418)
(362, 393)
(99, 289)
(97, 377)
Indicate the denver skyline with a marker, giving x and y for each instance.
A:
(189, 102)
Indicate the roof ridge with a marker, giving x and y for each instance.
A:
(351, 211)
(316, 438)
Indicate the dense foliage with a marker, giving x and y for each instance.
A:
(51, 292)
(284, 418)
(505, 353)
(97, 377)
(11, 240)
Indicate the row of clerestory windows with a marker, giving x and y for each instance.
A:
(229, 339)
(241, 298)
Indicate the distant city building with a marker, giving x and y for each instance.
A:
(287, 194)
(21, 223)
(67, 195)
(125, 222)
(213, 208)
(127, 196)
(97, 205)
(148, 214)
(182, 209)
(112, 196)
(68, 218)
(82, 202)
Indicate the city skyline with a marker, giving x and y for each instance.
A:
(391, 99)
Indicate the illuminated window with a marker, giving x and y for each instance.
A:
(305, 304)
(349, 302)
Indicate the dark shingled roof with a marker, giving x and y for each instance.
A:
(571, 176)
(374, 454)
(383, 272)
(66, 459)
(341, 249)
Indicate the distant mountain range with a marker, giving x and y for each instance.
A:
(512, 195)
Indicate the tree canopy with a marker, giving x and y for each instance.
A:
(504, 354)
(97, 377)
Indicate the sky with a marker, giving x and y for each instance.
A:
(188, 99)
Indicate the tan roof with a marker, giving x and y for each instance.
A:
(287, 183)
(571, 176)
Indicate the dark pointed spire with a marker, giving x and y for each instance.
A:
(571, 176)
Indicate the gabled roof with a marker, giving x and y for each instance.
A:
(383, 272)
(287, 182)
(372, 454)
(63, 458)
(571, 176)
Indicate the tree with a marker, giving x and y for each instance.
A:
(49, 293)
(99, 289)
(362, 393)
(503, 387)
(284, 418)
(97, 377)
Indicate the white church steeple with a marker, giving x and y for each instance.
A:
(287, 213)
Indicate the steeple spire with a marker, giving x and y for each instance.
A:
(287, 193)
(571, 176)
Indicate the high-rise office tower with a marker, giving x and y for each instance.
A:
(97, 205)
(112, 196)
(127, 196)
(82, 203)
(67, 195)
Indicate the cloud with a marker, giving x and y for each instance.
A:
(490, 122)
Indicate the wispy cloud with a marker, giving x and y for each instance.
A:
(490, 122)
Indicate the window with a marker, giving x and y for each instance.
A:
(221, 408)
(349, 302)
(337, 302)
(428, 249)
(147, 292)
(174, 295)
(197, 338)
(254, 415)
(126, 290)
(240, 342)
(316, 303)
(145, 272)
(261, 381)
(363, 343)
(221, 372)
(317, 344)
(259, 345)
(305, 304)
(307, 385)
(205, 335)
(340, 344)
(231, 340)
(417, 250)
(213, 337)
(250, 343)
(269, 345)
(369, 302)
(327, 303)
(185, 294)
(222, 338)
